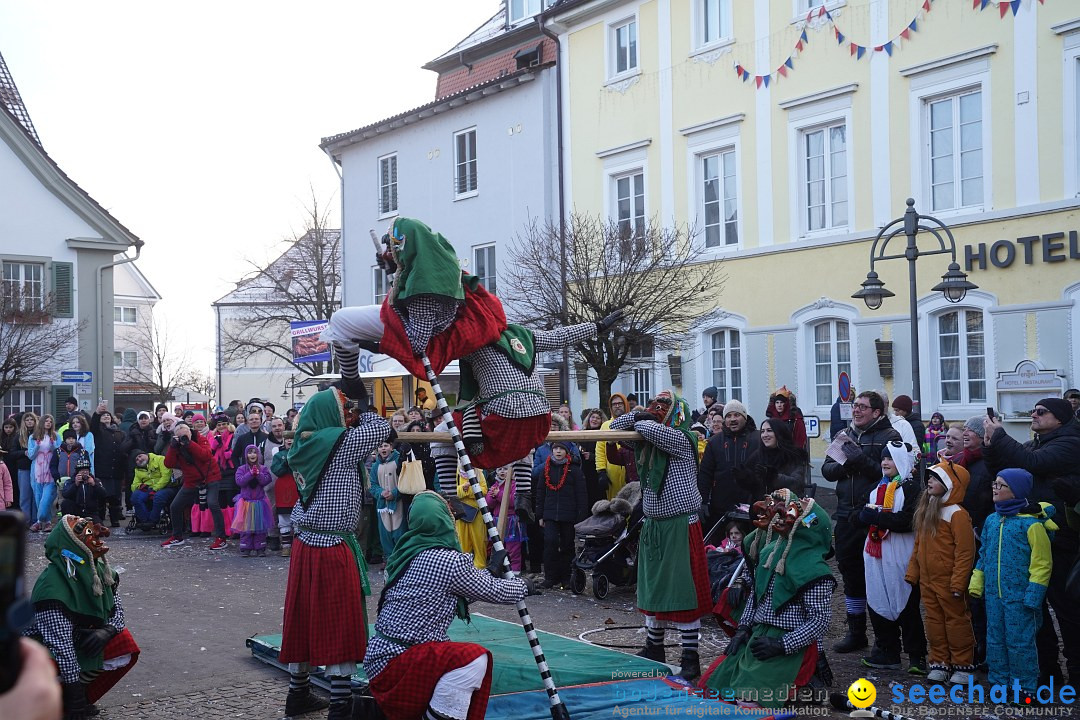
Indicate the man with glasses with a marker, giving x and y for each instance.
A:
(1053, 459)
(1073, 396)
(855, 477)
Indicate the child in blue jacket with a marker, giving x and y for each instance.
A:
(1012, 573)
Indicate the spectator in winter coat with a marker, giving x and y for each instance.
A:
(221, 442)
(7, 495)
(855, 477)
(43, 483)
(275, 436)
(152, 490)
(782, 407)
(561, 502)
(725, 454)
(978, 500)
(141, 436)
(82, 495)
(9, 452)
(384, 490)
(81, 425)
(192, 455)
(164, 433)
(777, 463)
(253, 514)
(110, 464)
(24, 461)
(612, 458)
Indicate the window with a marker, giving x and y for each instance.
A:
(388, 185)
(24, 286)
(719, 202)
(484, 262)
(824, 181)
(125, 359)
(625, 45)
(465, 162)
(643, 384)
(962, 357)
(715, 21)
(726, 365)
(124, 315)
(20, 400)
(832, 356)
(379, 285)
(521, 9)
(642, 353)
(630, 207)
(954, 146)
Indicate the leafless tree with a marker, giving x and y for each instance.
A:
(200, 382)
(164, 363)
(303, 283)
(34, 346)
(651, 272)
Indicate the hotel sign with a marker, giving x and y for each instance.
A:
(1049, 248)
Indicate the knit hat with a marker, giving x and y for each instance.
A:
(82, 463)
(710, 391)
(197, 416)
(1018, 480)
(902, 402)
(219, 418)
(564, 444)
(1059, 408)
(1071, 392)
(145, 414)
(734, 406)
(70, 433)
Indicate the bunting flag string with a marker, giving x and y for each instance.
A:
(781, 70)
(1004, 6)
(857, 50)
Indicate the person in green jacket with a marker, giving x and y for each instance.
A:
(153, 489)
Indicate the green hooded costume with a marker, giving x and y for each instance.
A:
(791, 563)
(83, 586)
(427, 262)
(319, 428)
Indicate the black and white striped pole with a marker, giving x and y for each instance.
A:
(558, 709)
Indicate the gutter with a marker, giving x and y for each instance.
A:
(99, 312)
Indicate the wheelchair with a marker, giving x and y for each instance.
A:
(163, 526)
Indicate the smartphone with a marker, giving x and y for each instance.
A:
(990, 413)
(16, 613)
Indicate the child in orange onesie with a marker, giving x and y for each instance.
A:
(941, 565)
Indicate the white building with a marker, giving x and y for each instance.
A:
(133, 312)
(58, 247)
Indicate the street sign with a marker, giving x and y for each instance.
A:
(813, 426)
(845, 387)
(84, 389)
(76, 376)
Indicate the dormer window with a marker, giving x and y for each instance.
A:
(522, 9)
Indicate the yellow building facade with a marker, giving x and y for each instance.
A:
(789, 132)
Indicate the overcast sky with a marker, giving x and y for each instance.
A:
(197, 124)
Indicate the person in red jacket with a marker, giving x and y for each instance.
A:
(191, 454)
(782, 407)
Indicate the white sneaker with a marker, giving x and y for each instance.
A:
(960, 677)
(938, 675)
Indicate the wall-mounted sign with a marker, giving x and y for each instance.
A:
(1049, 248)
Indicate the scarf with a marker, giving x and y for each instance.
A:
(431, 525)
(319, 427)
(427, 263)
(885, 498)
(652, 461)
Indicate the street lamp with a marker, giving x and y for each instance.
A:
(954, 283)
(293, 390)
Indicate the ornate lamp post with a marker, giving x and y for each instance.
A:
(293, 390)
(954, 283)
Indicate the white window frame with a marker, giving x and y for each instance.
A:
(1070, 101)
(809, 115)
(642, 369)
(700, 159)
(930, 308)
(700, 40)
(938, 80)
(378, 283)
(525, 11)
(727, 391)
(22, 265)
(831, 225)
(490, 279)
(954, 100)
(388, 193)
(458, 163)
(834, 355)
(962, 357)
(13, 405)
(118, 310)
(612, 50)
(124, 357)
(630, 175)
(805, 319)
(711, 138)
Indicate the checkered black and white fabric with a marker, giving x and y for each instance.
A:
(806, 618)
(55, 630)
(680, 492)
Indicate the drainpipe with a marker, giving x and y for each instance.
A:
(564, 383)
(341, 215)
(99, 312)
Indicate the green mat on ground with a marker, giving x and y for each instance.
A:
(572, 662)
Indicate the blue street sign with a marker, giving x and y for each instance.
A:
(813, 426)
(76, 376)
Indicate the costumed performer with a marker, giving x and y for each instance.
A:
(777, 646)
(78, 615)
(671, 549)
(415, 671)
(324, 621)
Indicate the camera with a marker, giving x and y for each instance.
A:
(16, 613)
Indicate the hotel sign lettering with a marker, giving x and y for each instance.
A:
(1049, 248)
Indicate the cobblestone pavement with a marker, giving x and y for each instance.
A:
(244, 701)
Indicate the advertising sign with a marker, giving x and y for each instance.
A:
(306, 345)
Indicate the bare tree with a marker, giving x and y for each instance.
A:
(34, 346)
(303, 283)
(200, 382)
(651, 272)
(164, 364)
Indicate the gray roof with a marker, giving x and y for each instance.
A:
(9, 96)
(493, 27)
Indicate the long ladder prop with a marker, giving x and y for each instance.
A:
(558, 709)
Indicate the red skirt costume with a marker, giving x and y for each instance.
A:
(324, 621)
(506, 440)
(405, 687)
(121, 644)
(699, 571)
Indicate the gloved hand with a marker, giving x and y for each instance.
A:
(1066, 490)
(93, 642)
(766, 648)
(1033, 596)
(75, 705)
(869, 516)
(530, 586)
(603, 482)
(386, 261)
(641, 416)
(742, 634)
(608, 321)
(496, 562)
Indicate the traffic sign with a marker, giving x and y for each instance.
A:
(76, 376)
(813, 426)
(84, 388)
(845, 387)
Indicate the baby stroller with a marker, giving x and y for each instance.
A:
(728, 576)
(607, 544)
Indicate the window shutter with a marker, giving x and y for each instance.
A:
(63, 290)
(60, 394)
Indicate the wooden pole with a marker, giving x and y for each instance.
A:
(571, 435)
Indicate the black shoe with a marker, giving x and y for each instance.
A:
(364, 706)
(690, 667)
(341, 710)
(549, 583)
(856, 635)
(883, 659)
(273, 543)
(653, 652)
(301, 702)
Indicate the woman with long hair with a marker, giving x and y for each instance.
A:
(24, 462)
(42, 445)
(567, 413)
(591, 420)
(9, 451)
(777, 463)
(81, 425)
